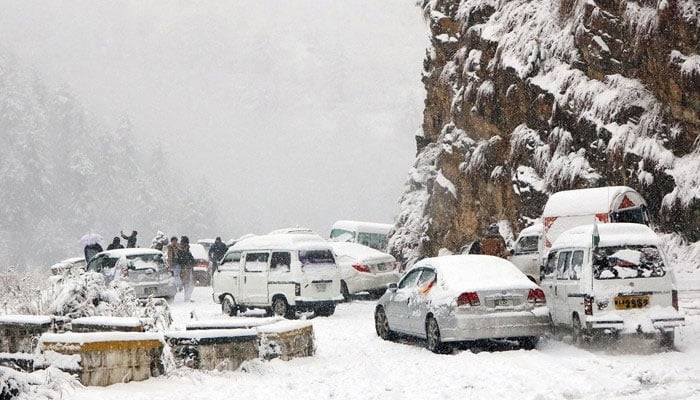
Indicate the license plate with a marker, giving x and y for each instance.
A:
(321, 287)
(150, 290)
(502, 302)
(627, 302)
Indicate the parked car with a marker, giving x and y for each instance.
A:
(571, 208)
(201, 272)
(282, 273)
(66, 265)
(142, 268)
(611, 279)
(364, 269)
(370, 234)
(463, 298)
(526, 252)
(206, 243)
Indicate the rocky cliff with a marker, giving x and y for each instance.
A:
(529, 97)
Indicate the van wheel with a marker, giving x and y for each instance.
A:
(529, 343)
(281, 308)
(326, 311)
(667, 340)
(228, 306)
(381, 324)
(344, 291)
(433, 339)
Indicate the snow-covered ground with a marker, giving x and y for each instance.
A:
(352, 363)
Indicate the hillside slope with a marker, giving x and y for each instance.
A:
(528, 97)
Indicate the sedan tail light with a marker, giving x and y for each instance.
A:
(468, 298)
(361, 267)
(536, 296)
(674, 299)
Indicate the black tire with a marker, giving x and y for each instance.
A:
(326, 311)
(281, 308)
(433, 340)
(381, 325)
(667, 340)
(170, 299)
(344, 291)
(229, 306)
(529, 343)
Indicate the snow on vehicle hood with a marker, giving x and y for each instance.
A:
(359, 252)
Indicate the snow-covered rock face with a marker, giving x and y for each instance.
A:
(528, 97)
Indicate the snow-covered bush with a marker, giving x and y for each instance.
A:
(48, 384)
(24, 291)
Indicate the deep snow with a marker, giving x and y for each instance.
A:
(352, 363)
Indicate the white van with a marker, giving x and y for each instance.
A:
(571, 208)
(370, 234)
(526, 252)
(282, 273)
(622, 285)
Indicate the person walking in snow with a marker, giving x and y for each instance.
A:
(159, 241)
(171, 261)
(187, 262)
(493, 244)
(130, 240)
(217, 251)
(91, 250)
(116, 244)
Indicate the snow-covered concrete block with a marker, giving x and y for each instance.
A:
(286, 340)
(107, 358)
(107, 324)
(209, 349)
(20, 333)
(232, 323)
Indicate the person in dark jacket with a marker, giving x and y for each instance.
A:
(116, 244)
(217, 251)
(187, 262)
(493, 244)
(91, 250)
(130, 240)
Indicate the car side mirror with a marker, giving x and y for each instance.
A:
(392, 287)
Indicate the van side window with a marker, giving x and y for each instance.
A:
(550, 267)
(256, 262)
(280, 261)
(410, 278)
(563, 265)
(231, 260)
(576, 265)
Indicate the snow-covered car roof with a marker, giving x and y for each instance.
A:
(198, 251)
(359, 252)
(477, 272)
(534, 229)
(587, 201)
(613, 234)
(205, 241)
(286, 241)
(137, 251)
(297, 230)
(370, 227)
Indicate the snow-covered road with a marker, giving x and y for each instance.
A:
(352, 363)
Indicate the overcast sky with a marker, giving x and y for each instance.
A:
(298, 112)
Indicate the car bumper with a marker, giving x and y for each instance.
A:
(155, 289)
(635, 322)
(363, 282)
(314, 304)
(500, 325)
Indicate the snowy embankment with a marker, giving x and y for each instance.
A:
(352, 363)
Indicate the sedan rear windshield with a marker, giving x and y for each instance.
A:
(316, 257)
(628, 262)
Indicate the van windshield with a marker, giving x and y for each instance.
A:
(342, 235)
(316, 257)
(628, 262)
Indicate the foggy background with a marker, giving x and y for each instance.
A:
(296, 112)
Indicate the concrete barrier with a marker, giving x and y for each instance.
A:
(231, 323)
(107, 324)
(286, 340)
(20, 333)
(213, 349)
(109, 357)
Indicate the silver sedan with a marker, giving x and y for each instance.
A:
(463, 298)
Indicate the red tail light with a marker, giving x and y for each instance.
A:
(674, 299)
(588, 305)
(468, 298)
(536, 296)
(361, 267)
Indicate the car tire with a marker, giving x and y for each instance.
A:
(529, 343)
(229, 306)
(344, 291)
(281, 308)
(381, 324)
(326, 311)
(667, 340)
(433, 339)
(170, 299)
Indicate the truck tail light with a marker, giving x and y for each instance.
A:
(536, 296)
(674, 299)
(588, 305)
(468, 298)
(361, 267)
